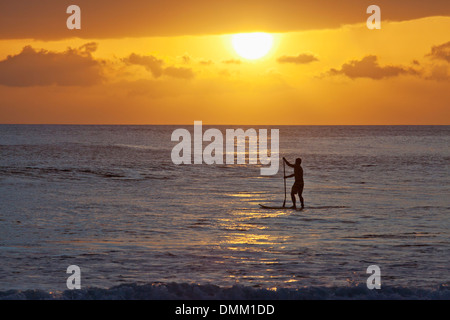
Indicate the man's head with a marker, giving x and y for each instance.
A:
(298, 161)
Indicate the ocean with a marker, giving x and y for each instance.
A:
(110, 200)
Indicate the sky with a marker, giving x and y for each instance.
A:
(173, 62)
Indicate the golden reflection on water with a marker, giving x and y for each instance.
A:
(240, 195)
(243, 231)
(251, 238)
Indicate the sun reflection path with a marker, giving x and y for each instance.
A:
(254, 246)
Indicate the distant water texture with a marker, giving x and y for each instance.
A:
(110, 200)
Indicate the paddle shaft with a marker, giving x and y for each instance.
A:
(284, 178)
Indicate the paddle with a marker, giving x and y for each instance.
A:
(284, 202)
(284, 178)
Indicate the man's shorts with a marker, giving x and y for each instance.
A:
(297, 187)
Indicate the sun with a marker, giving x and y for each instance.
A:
(252, 45)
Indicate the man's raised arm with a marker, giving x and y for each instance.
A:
(287, 162)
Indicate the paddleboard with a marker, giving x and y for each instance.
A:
(298, 209)
(328, 207)
(278, 208)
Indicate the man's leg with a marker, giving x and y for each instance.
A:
(293, 196)
(300, 192)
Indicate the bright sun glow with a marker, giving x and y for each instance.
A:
(252, 45)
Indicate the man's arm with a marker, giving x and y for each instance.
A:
(289, 176)
(287, 162)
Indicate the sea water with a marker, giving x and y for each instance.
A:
(109, 200)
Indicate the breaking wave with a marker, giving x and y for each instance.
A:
(184, 291)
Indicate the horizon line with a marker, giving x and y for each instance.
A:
(191, 124)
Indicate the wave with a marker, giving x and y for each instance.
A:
(80, 173)
(185, 291)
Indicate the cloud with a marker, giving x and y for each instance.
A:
(89, 47)
(45, 19)
(368, 67)
(206, 62)
(151, 63)
(438, 68)
(232, 61)
(157, 67)
(186, 58)
(181, 73)
(302, 58)
(32, 67)
(440, 52)
(439, 73)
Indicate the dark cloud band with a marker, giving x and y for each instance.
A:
(46, 19)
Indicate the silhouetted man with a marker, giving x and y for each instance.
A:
(297, 188)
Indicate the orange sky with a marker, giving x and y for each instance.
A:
(172, 62)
